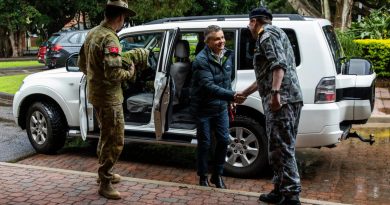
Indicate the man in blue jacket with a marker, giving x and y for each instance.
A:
(211, 95)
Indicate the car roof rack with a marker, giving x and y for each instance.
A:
(292, 17)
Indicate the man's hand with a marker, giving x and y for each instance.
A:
(132, 69)
(239, 97)
(275, 102)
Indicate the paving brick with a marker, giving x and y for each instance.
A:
(328, 174)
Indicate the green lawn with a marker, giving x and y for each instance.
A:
(10, 84)
(9, 64)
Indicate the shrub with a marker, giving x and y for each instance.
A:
(350, 48)
(378, 52)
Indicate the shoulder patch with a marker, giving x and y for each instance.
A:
(264, 37)
(113, 49)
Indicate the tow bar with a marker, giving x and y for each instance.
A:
(371, 139)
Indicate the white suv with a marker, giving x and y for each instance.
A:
(52, 105)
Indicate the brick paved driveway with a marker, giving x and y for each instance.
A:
(353, 172)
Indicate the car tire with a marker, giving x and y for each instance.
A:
(248, 149)
(45, 128)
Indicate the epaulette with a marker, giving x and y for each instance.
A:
(264, 37)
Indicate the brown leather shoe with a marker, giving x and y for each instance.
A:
(106, 190)
(116, 178)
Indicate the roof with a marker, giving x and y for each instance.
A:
(226, 21)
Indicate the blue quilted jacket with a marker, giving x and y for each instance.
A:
(211, 83)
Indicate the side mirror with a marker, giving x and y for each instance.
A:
(358, 66)
(71, 63)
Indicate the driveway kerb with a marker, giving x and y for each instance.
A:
(156, 182)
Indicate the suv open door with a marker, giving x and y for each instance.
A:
(165, 87)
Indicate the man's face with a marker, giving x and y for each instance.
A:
(253, 27)
(216, 41)
(121, 23)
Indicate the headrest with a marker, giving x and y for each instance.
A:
(182, 49)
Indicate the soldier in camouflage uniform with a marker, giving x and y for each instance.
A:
(101, 61)
(278, 85)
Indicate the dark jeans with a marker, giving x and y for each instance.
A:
(205, 126)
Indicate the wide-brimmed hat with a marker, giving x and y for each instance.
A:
(260, 12)
(121, 4)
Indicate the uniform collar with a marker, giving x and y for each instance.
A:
(106, 25)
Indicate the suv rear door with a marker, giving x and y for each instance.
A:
(355, 83)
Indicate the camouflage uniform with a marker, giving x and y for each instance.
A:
(273, 49)
(101, 61)
(137, 57)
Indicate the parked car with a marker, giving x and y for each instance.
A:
(337, 93)
(61, 45)
(41, 52)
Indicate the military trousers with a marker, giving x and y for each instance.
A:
(206, 125)
(111, 140)
(282, 129)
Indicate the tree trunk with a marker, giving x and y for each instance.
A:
(326, 10)
(20, 45)
(305, 8)
(343, 15)
(16, 41)
(84, 20)
(13, 44)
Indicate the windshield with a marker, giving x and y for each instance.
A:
(335, 46)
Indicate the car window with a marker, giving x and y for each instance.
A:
(196, 41)
(150, 41)
(334, 46)
(247, 47)
(74, 38)
(54, 38)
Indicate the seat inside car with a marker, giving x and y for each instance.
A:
(181, 68)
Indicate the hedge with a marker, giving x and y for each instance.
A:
(378, 52)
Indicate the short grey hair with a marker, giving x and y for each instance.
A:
(210, 29)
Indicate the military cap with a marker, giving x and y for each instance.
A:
(260, 12)
(121, 4)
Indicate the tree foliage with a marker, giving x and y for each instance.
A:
(374, 26)
(56, 13)
(152, 10)
(17, 17)
(340, 11)
(47, 17)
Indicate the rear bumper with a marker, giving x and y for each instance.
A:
(320, 125)
(330, 135)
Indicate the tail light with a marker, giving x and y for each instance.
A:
(56, 48)
(326, 90)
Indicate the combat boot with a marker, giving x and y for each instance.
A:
(106, 190)
(116, 178)
(274, 197)
(290, 200)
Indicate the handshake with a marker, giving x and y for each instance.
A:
(239, 97)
